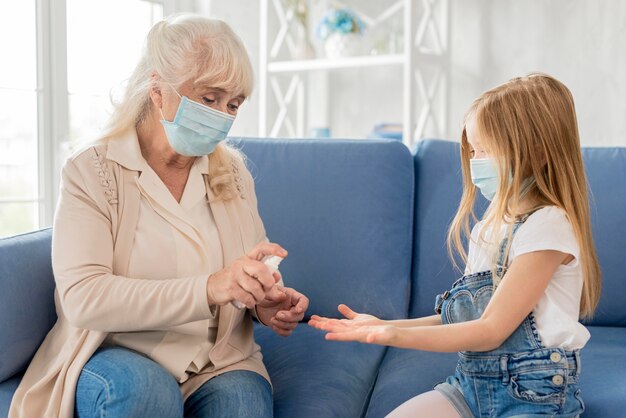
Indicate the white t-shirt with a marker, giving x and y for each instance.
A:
(557, 312)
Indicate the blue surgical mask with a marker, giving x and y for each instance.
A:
(196, 129)
(484, 173)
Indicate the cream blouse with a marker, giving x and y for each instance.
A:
(185, 252)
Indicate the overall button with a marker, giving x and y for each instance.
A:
(555, 357)
(557, 380)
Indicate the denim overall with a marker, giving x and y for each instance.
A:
(521, 378)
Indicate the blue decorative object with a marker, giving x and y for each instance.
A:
(387, 131)
(320, 132)
(342, 21)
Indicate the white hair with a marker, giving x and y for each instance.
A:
(180, 48)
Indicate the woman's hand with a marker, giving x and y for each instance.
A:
(282, 309)
(246, 279)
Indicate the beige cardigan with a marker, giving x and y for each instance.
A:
(94, 227)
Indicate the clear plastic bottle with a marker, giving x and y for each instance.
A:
(272, 263)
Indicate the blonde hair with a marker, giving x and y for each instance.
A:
(529, 126)
(186, 47)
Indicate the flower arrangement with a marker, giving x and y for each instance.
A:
(300, 10)
(339, 21)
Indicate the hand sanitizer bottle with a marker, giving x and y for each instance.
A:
(272, 263)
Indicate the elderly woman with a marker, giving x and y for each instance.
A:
(157, 239)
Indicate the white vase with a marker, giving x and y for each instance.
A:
(304, 49)
(339, 45)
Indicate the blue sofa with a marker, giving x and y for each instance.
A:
(365, 224)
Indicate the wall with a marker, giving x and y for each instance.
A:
(581, 42)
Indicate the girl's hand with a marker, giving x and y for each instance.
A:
(360, 318)
(246, 279)
(342, 330)
(356, 327)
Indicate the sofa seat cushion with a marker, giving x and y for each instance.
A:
(316, 378)
(304, 368)
(404, 374)
(7, 389)
(603, 375)
(407, 373)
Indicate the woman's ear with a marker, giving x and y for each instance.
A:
(155, 91)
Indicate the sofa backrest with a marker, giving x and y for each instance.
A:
(606, 174)
(438, 191)
(437, 194)
(344, 212)
(26, 298)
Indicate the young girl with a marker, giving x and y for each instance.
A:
(531, 270)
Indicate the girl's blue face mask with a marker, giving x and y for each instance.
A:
(196, 129)
(484, 173)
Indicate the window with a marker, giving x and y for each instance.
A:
(19, 195)
(67, 57)
(104, 40)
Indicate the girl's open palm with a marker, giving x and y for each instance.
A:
(352, 317)
(356, 327)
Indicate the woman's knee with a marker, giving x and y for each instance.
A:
(241, 393)
(124, 383)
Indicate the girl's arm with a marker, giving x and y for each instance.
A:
(432, 320)
(517, 294)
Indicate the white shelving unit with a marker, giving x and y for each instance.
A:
(332, 64)
(424, 63)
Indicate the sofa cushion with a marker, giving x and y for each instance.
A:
(7, 389)
(315, 378)
(438, 192)
(304, 369)
(26, 298)
(603, 369)
(404, 374)
(344, 212)
(606, 173)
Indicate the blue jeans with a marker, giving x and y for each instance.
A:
(117, 382)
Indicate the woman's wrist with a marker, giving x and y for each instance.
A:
(258, 316)
(210, 298)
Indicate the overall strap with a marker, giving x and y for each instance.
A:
(503, 252)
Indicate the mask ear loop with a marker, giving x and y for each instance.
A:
(161, 108)
(175, 90)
